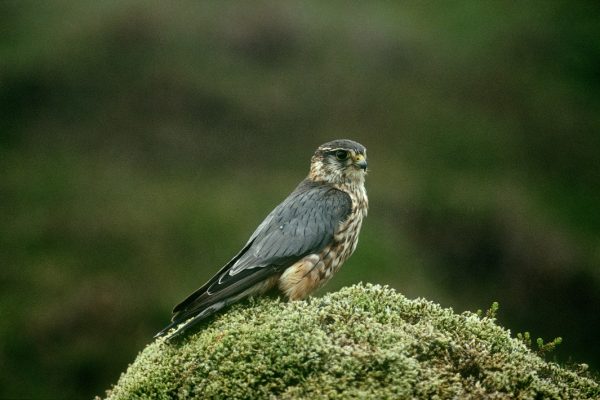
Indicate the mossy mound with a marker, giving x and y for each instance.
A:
(361, 342)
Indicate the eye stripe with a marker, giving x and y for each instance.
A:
(331, 152)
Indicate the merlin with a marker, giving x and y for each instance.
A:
(299, 245)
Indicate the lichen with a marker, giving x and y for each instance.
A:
(364, 341)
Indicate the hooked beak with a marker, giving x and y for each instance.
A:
(360, 161)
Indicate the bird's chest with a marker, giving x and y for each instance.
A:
(345, 237)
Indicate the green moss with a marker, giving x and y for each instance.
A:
(363, 341)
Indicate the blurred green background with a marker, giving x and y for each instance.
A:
(142, 142)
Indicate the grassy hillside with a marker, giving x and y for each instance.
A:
(363, 341)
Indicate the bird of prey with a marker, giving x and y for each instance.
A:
(299, 245)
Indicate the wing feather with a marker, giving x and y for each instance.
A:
(302, 224)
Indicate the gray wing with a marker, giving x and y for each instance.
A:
(302, 224)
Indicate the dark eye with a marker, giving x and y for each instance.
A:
(341, 155)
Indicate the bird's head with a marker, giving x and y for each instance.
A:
(339, 162)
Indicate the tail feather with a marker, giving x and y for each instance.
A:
(183, 325)
(202, 304)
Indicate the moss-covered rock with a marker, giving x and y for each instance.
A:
(363, 341)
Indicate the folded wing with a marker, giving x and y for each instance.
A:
(304, 223)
